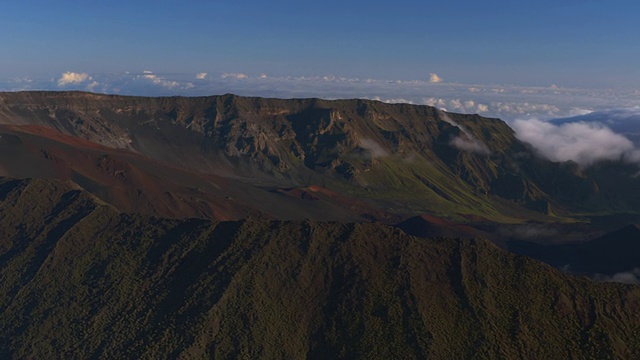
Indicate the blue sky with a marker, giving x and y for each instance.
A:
(566, 44)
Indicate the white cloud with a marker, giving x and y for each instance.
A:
(374, 148)
(584, 143)
(70, 77)
(434, 78)
(465, 141)
(169, 84)
(458, 105)
(19, 80)
(507, 102)
(235, 76)
(201, 76)
(93, 85)
(627, 277)
(393, 101)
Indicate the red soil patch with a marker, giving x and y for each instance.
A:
(298, 194)
(56, 135)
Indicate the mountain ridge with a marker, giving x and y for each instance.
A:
(75, 270)
(428, 161)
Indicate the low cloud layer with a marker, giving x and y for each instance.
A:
(169, 84)
(234, 76)
(507, 102)
(582, 142)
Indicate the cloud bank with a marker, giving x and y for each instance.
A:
(508, 102)
(582, 142)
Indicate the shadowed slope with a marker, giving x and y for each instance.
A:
(136, 183)
(81, 280)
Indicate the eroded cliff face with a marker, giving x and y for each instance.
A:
(269, 129)
(401, 158)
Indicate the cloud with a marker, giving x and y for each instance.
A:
(374, 148)
(70, 77)
(201, 76)
(581, 142)
(93, 85)
(627, 277)
(392, 101)
(155, 79)
(624, 121)
(469, 144)
(234, 76)
(465, 141)
(434, 78)
(508, 102)
(21, 80)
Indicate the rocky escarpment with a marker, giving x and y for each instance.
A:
(404, 158)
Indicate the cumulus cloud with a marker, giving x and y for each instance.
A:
(201, 76)
(234, 76)
(70, 77)
(581, 142)
(465, 141)
(434, 78)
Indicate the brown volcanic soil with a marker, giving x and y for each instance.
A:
(135, 183)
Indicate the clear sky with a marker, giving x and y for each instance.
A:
(566, 42)
(113, 46)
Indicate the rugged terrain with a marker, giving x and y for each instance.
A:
(225, 157)
(229, 226)
(80, 279)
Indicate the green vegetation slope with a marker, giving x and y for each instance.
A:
(81, 280)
